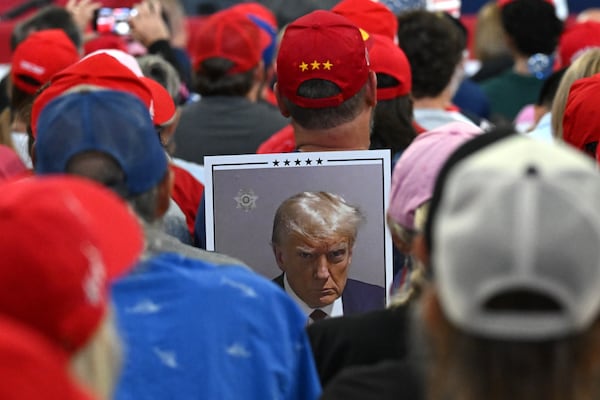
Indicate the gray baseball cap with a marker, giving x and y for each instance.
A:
(517, 241)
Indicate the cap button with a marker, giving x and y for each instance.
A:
(532, 171)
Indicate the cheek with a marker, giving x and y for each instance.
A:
(339, 273)
(302, 269)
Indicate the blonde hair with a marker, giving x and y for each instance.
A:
(97, 365)
(489, 34)
(417, 277)
(316, 216)
(586, 65)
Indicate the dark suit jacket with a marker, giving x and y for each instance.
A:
(390, 380)
(356, 340)
(358, 297)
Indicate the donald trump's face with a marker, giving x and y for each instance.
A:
(316, 271)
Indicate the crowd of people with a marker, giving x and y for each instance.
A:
(107, 290)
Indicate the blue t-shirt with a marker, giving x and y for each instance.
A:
(195, 331)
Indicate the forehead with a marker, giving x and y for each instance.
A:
(323, 244)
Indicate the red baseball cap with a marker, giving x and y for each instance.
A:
(164, 106)
(576, 39)
(373, 17)
(229, 34)
(11, 165)
(258, 10)
(502, 3)
(387, 58)
(41, 55)
(32, 368)
(103, 42)
(322, 45)
(69, 237)
(581, 120)
(121, 56)
(101, 70)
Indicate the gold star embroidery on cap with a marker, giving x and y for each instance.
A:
(304, 66)
(315, 64)
(364, 34)
(327, 65)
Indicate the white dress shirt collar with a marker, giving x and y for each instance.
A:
(334, 309)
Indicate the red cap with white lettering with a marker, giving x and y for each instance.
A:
(39, 57)
(66, 238)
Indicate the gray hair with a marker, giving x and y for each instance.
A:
(158, 69)
(316, 216)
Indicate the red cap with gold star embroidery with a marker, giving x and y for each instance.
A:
(322, 45)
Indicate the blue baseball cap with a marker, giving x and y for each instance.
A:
(112, 122)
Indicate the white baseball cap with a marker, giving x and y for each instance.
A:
(516, 236)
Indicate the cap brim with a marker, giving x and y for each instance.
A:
(164, 106)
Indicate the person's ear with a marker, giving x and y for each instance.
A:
(371, 96)
(420, 250)
(167, 132)
(278, 256)
(165, 188)
(282, 107)
(510, 43)
(259, 72)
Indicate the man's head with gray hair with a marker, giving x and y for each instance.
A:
(313, 237)
(157, 68)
